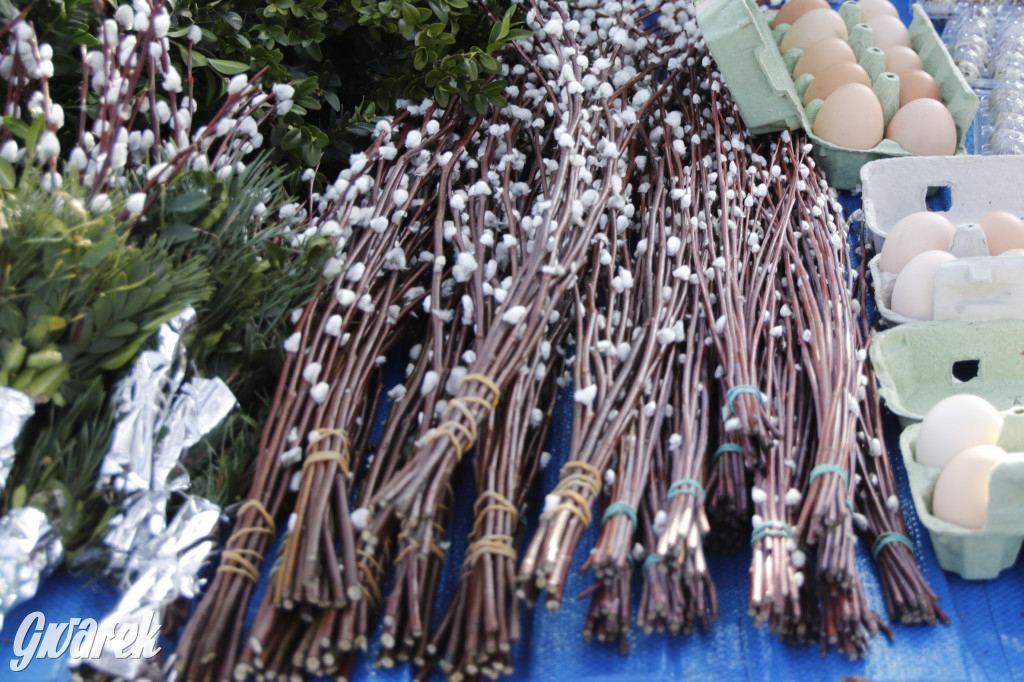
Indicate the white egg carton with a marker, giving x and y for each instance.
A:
(976, 287)
(746, 51)
(983, 553)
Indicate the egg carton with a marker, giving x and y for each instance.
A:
(977, 286)
(983, 553)
(919, 364)
(758, 75)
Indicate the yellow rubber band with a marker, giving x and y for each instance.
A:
(478, 400)
(258, 506)
(439, 431)
(486, 381)
(470, 418)
(370, 582)
(328, 456)
(248, 531)
(489, 544)
(245, 567)
(577, 505)
(581, 480)
(239, 571)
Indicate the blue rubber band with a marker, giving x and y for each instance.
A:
(651, 559)
(726, 447)
(830, 469)
(619, 508)
(735, 391)
(887, 538)
(779, 529)
(686, 486)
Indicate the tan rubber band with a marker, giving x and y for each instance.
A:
(489, 544)
(371, 585)
(579, 480)
(328, 456)
(470, 418)
(486, 381)
(442, 430)
(577, 464)
(578, 505)
(245, 567)
(248, 531)
(258, 506)
(478, 400)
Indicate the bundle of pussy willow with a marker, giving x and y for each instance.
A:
(616, 228)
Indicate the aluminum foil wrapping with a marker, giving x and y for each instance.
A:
(30, 549)
(160, 415)
(152, 472)
(15, 409)
(159, 571)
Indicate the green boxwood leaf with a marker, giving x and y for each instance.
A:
(228, 67)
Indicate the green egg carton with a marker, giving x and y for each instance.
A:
(758, 75)
(983, 553)
(920, 363)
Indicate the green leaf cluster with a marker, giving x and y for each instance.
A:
(351, 60)
(80, 295)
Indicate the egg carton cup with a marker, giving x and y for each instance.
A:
(758, 75)
(976, 287)
(983, 553)
(919, 364)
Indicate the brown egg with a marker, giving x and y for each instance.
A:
(1003, 231)
(900, 58)
(915, 84)
(822, 55)
(851, 117)
(814, 27)
(794, 9)
(914, 234)
(888, 30)
(924, 127)
(869, 9)
(826, 82)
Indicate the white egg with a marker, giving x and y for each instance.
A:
(913, 294)
(955, 424)
(961, 491)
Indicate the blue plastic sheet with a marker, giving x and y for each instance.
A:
(985, 640)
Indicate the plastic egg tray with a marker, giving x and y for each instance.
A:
(920, 364)
(746, 51)
(976, 286)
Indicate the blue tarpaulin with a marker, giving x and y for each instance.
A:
(984, 641)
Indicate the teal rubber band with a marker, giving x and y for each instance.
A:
(726, 447)
(830, 469)
(651, 559)
(888, 538)
(849, 505)
(779, 529)
(686, 486)
(736, 391)
(619, 508)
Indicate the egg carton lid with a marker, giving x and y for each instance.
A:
(920, 363)
(894, 188)
(983, 553)
(738, 36)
